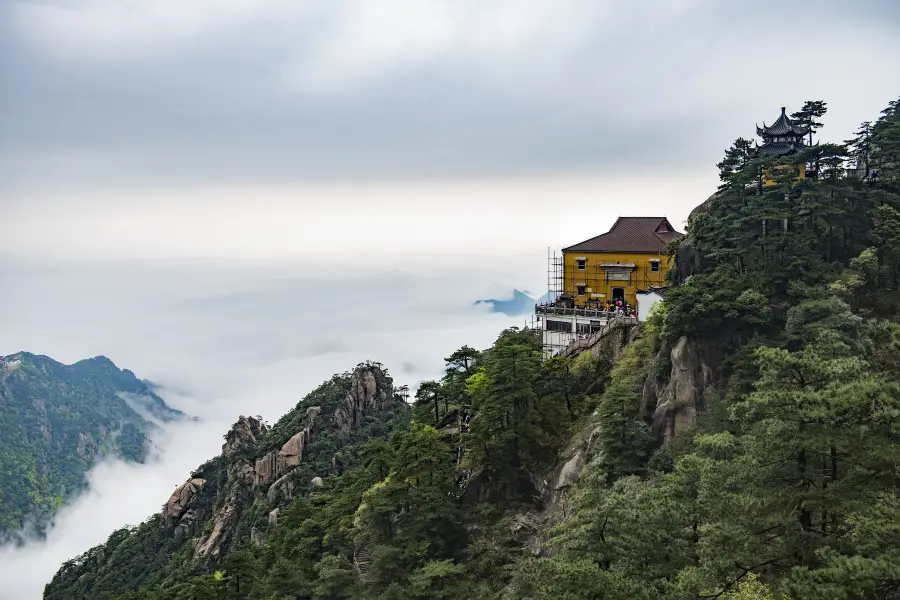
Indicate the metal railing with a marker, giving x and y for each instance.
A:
(550, 309)
(577, 346)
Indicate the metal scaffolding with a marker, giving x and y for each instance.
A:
(555, 274)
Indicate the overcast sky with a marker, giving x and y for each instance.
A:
(455, 139)
(99, 93)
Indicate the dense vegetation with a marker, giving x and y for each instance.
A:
(786, 485)
(56, 421)
(792, 474)
(390, 518)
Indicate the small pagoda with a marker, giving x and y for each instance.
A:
(781, 138)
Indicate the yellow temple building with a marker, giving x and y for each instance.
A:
(615, 265)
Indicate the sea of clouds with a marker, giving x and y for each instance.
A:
(240, 300)
(223, 340)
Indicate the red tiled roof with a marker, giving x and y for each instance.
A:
(631, 234)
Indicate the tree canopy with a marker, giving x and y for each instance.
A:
(785, 485)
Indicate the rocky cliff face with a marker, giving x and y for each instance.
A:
(251, 476)
(368, 392)
(680, 385)
(533, 528)
(246, 431)
(685, 373)
(212, 546)
(704, 207)
(180, 513)
(276, 463)
(689, 258)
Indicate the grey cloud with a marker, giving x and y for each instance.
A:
(633, 85)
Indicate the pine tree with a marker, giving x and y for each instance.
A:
(517, 426)
(736, 159)
(886, 145)
(860, 148)
(240, 573)
(462, 361)
(205, 587)
(624, 440)
(335, 580)
(410, 516)
(807, 115)
(816, 429)
(428, 395)
(436, 580)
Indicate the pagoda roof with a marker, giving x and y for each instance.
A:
(782, 126)
(631, 234)
(779, 148)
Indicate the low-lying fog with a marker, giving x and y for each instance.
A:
(240, 301)
(223, 341)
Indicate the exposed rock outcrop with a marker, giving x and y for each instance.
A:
(43, 418)
(688, 258)
(533, 527)
(611, 345)
(265, 468)
(87, 446)
(247, 430)
(608, 342)
(258, 537)
(276, 463)
(569, 473)
(291, 453)
(180, 513)
(528, 527)
(212, 546)
(704, 206)
(282, 489)
(222, 507)
(570, 465)
(370, 389)
(673, 399)
(239, 480)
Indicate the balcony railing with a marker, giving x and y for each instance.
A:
(549, 309)
(576, 346)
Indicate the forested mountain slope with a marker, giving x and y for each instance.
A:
(56, 421)
(254, 494)
(743, 444)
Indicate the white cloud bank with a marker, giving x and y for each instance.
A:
(364, 228)
(223, 340)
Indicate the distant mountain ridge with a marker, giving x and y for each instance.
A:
(520, 304)
(57, 421)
